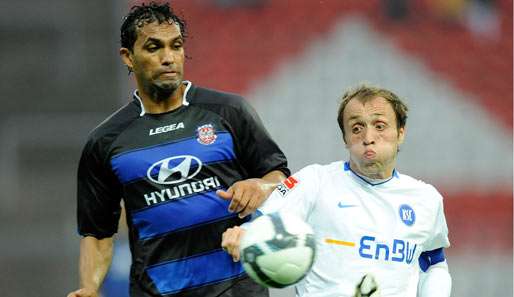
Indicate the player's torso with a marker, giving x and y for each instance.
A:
(170, 166)
(363, 228)
(166, 157)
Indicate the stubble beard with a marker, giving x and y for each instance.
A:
(160, 92)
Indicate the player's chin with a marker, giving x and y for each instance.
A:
(163, 89)
(371, 163)
(372, 166)
(168, 85)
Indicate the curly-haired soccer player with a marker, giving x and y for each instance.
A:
(188, 162)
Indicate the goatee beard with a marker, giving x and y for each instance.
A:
(160, 93)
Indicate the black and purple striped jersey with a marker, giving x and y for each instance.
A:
(166, 168)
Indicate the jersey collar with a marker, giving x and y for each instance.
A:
(184, 97)
(367, 180)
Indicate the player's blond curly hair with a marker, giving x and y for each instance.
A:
(366, 92)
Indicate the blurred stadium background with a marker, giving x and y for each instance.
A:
(450, 59)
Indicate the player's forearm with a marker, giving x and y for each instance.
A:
(435, 282)
(95, 259)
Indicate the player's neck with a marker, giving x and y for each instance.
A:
(153, 104)
(373, 173)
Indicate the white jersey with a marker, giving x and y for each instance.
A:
(362, 228)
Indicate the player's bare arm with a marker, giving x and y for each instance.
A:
(95, 259)
(247, 195)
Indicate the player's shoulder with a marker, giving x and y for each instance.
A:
(424, 188)
(322, 170)
(114, 124)
(215, 98)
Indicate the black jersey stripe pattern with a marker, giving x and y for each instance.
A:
(155, 162)
(167, 168)
(201, 209)
(173, 276)
(189, 239)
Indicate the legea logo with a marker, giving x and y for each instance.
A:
(174, 170)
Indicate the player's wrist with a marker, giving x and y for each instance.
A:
(91, 286)
(268, 186)
(85, 292)
(91, 289)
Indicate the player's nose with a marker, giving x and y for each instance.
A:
(167, 57)
(368, 137)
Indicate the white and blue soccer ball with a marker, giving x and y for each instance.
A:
(278, 249)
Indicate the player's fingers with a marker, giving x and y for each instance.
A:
(236, 199)
(251, 206)
(75, 293)
(230, 242)
(225, 238)
(227, 195)
(243, 202)
(237, 252)
(81, 293)
(233, 240)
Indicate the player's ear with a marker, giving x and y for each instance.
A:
(126, 57)
(343, 137)
(346, 145)
(401, 134)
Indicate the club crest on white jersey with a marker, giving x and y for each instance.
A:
(407, 215)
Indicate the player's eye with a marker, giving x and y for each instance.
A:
(356, 129)
(177, 45)
(380, 126)
(152, 48)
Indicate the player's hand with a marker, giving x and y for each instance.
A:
(230, 241)
(246, 195)
(84, 292)
(367, 287)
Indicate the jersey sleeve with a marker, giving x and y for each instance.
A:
(98, 195)
(439, 238)
(259, 154)
(296, 194)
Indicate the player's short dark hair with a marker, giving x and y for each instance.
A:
(364, 93)
(144, 14)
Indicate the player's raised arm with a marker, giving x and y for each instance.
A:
(94, 262)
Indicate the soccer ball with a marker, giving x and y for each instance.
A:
(278, 250)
